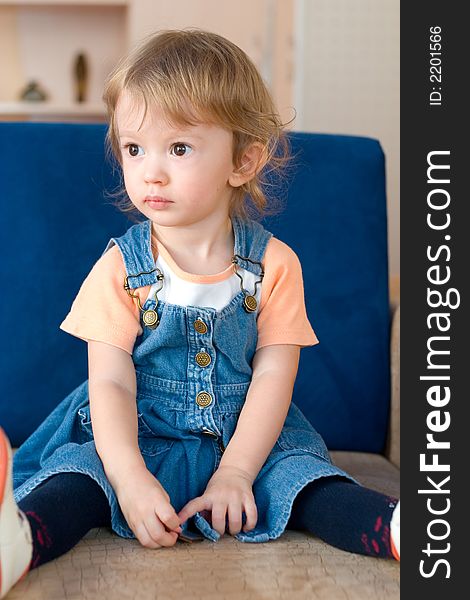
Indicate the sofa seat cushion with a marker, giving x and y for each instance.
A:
(297, 565)
(372, 470)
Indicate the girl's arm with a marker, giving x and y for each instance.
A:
(265, 409)
(144, 502)
(112, 391)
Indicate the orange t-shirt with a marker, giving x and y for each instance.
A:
(103, 311)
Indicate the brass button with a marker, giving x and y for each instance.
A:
(200, 326)
(203, 399)
(203, 359)
(250, 304)
(150, 318)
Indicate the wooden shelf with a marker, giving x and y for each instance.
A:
(64, 3)
(41, 40)
(66, 113)
(46, 108)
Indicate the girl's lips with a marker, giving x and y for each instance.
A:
(156, 199)
(157, 203)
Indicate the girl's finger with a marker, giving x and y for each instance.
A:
(177, 530)
(251, 513)
(218, 517)
(158, 533)
(144, 537)
(191, 508)
(234, 518)
(168, 538)
(171, 521)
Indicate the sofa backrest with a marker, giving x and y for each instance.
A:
(57, 219)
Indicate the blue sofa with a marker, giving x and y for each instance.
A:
(57, 217)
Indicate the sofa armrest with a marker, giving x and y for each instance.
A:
(392, 450)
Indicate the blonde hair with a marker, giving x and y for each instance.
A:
(198, 76)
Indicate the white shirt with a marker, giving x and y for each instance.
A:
(186, 289)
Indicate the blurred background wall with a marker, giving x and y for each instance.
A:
(335, 61)
(347, 65)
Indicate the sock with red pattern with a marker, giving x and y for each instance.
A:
(345, 515)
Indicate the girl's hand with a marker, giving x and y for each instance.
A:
(146, 506)
(229, 489)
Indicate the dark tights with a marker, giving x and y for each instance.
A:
(62, 510)
(343, 514)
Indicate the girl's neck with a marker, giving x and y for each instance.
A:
(204, 249)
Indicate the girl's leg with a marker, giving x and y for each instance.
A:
(346, 515)
(60, 511)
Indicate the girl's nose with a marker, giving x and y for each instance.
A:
(155, 173)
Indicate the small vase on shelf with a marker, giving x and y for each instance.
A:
(81, 77)
(33, 92)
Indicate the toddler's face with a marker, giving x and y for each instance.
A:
(174, 175)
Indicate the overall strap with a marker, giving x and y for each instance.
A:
(251, 239)
(136, 250)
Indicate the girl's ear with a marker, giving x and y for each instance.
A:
(252, 161)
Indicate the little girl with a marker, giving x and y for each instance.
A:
(194, 320)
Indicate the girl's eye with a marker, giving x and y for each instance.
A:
(180, 149)
(134, 150)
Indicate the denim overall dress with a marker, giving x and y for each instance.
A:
(193, 371)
